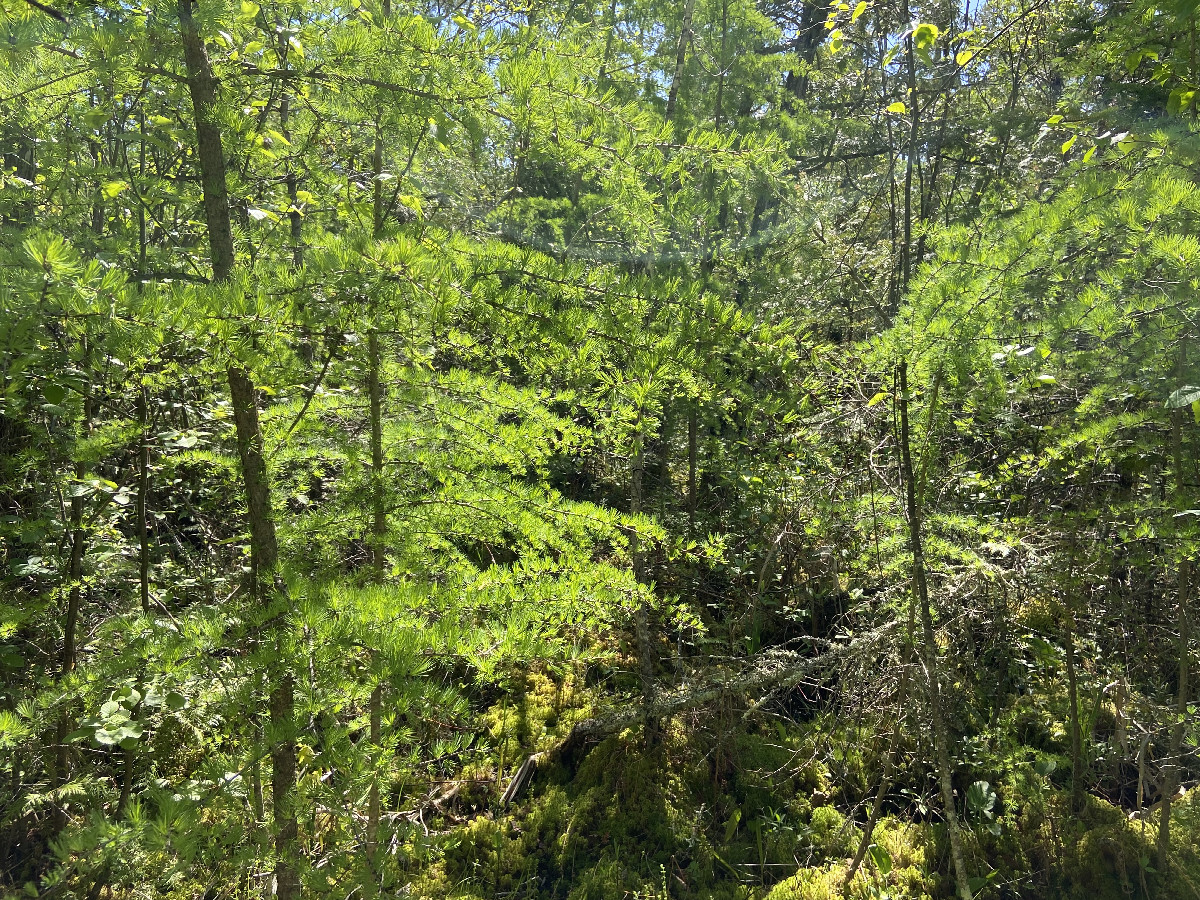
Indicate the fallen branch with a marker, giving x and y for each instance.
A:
(773, 670)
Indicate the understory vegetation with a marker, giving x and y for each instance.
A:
(735, 449)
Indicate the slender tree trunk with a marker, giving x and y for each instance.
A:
(141, 193)
(685, 38)
(74, 580)
(202, 87)
(610, 29)
(291, 182)
(378, 506)
(374, 380)
(692, 441)
(78, 542)
(718, 104)
(893, 753)
(142, 499)
(1073, 716)
(641, 618)
(126, 780)
(885, 783)
(1183, 596)
(914, 113)
(373, 798)
(929, 648)
(264, 546)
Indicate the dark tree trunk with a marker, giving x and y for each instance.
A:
(264, 546)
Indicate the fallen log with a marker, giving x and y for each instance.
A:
(774, 670)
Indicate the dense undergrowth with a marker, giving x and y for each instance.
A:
(730, 802)
(598, 450)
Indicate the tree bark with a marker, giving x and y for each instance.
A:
(74, 579)
(685, 38)
(641, 617)
(929, 647)
(1183, 592)
(1073, 716)
(914, 124)
(264, 546)
(142, 498)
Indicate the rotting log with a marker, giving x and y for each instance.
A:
(773, 670)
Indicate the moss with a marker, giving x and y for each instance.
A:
(831, 834)
(903, 845)
(811, 884)
(631, 820)
(534, 717)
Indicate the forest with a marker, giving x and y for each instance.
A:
(599, 449)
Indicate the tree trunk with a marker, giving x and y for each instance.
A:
(1073, 716)
(143, 493)
(641, 617)
(1183, 592)
(929, 647)
(264, 547)
(74, 580)
(910, 156)
(373, 798)
(78, 541)
(610, 29)
(692, 441)
(685, 38)
(378, 506)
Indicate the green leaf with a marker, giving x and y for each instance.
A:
(732, 824)
(106, 737)
(882, 395)
(1047, 379)
(981, 799)
(1069, 143)
(1054, 120)
(112, 189)
(898, 107)
(925, 34)
(962, 57)
(1044, 766)
(858, 10)
(836, 41)
(94, 118)
(54, 394)
(1184, 396)
(1087, 157)
(10, 658)
(882, 859)
(176, 701)
(249, 10)
(979, 882)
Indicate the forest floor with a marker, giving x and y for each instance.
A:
(772, 804)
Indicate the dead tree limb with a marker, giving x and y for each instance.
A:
(772, 671)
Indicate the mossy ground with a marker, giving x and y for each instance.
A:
(746, 810)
